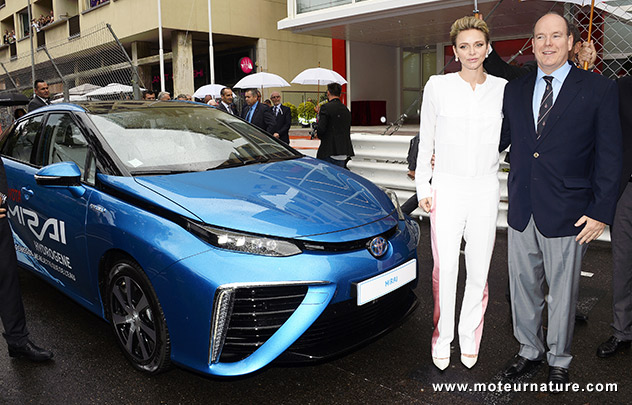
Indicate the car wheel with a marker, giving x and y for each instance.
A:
(136, 317)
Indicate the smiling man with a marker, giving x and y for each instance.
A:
(563, 127)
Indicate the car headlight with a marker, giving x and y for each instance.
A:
(243, 242)
(391, 194)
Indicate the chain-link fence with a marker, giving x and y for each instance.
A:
(76, 66)
(611, 33)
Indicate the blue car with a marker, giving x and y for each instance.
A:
(203, 241)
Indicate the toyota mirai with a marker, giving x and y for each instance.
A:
(203, 241)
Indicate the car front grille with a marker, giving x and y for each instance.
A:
(257, 313)
(345, 325)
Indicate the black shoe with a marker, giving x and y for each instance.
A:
(611, 346)
(519, 366)
(558, 378)
(30, 351)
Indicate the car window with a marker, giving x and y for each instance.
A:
(21, 141)
(185, 139)
(64, 141)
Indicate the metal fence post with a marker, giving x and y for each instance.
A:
(8, 75)
(63, 82)
(136, 77)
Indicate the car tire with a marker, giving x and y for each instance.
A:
(136, 317)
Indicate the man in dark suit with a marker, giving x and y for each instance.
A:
(226, 102)
(11, 307)
(283, 118)
(334, 129)
(563, 127)
(621, 236)
(257, 113)
(40, 96)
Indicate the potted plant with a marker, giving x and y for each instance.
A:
(306, 113)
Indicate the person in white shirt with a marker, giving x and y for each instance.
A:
(461, 118)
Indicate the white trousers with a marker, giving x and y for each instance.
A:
(462, 208)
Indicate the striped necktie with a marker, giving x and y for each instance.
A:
(545, 105)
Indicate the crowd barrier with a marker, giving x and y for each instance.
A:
(382, 159)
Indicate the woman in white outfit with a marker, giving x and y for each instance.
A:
(461, 118)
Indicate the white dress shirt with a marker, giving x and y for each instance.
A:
(461, 127)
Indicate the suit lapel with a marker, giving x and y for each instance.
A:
(569, 90)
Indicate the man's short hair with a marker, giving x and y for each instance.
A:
(221, 93)
(335, 89)
(37, 82)
(253, 92)
(577, 36)
(146, 93)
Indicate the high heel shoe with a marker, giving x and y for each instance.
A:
(469, 361)
(441, 363)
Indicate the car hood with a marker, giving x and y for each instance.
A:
(300, 198)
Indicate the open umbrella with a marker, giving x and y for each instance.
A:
(261, 80)
(9, 99)
(212, 90)
(111, 89)
(83, 89)
(318, 76)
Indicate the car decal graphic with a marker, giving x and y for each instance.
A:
(26, 257)
(58, 232)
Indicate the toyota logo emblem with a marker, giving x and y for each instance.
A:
(378, 246)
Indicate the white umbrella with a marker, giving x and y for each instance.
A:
(73, 98)
(111, 89)
(318, 76)
(209, 89)
(261, 80)
(83, 89)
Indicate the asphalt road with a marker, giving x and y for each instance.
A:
(89, 368)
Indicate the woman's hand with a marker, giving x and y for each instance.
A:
(426, 204)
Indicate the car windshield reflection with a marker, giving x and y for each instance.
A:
(176, 140)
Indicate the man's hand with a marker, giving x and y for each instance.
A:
(592, 230)
(587, 53)
(411, 174)
(426, 203)
(276, 135)
(3, 212)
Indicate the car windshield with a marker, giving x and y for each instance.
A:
(165, 140)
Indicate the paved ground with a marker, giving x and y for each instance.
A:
(89, 368)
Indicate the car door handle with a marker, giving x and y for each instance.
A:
(26, 193)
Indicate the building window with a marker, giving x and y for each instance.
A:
(23, 20)
(74, 28)
(94, 3)
(2, 3)
(305, 6)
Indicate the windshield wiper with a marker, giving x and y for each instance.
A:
(156, 172)
(257, 159)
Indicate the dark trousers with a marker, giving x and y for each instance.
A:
(622, 266)
(410, 205)
(11, 307)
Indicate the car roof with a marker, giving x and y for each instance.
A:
(105, 107)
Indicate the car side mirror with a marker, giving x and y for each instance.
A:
(62, 174)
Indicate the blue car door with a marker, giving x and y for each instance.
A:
(55, 218)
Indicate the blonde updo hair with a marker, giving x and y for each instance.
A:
(468, 23)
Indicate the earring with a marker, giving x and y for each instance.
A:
(456, 58)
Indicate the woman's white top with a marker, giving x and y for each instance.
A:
(461, 127)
